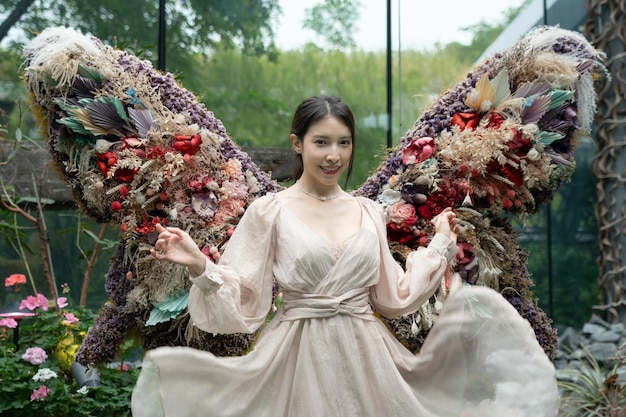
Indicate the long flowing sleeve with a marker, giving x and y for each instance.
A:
(235, 295)
(400, 291)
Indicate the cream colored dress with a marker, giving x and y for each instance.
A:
(325, 353)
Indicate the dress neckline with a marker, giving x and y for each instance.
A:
(335, 244)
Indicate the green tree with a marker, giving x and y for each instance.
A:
(334, 21)
(483, 35)
(192, 26)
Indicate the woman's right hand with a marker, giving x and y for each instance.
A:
(175, 245)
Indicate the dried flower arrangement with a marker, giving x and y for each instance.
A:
(138, 149)
(497, 145)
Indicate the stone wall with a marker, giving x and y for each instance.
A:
(597, 339)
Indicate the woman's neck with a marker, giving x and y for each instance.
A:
(320, 192)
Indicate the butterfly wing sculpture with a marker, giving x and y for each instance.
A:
(138, 149)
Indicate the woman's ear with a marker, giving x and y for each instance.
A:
(296, 143)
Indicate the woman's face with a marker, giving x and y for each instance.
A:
(326, 150)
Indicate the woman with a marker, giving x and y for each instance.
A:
(325, 353)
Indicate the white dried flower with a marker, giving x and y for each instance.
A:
(389, 197)
(102, 145)
(533, 154)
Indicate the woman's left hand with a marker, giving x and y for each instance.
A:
(447, 223)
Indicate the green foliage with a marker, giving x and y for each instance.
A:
(191, 26)
(334, 21)
(592, 391)
(255, 98)
(52, 331)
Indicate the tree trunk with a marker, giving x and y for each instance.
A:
(14, 16)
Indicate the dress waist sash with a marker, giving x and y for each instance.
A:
(297, 306)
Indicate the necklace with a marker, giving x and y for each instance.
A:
(319, 197)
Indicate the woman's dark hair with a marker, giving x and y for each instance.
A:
(316, 108)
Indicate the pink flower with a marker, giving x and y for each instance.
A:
(234, 189)
(233, 168)
(403, 214)
(10, 323)
(32, 302)
(14, 279)
(69, 319)
(62, 302)
(464, 254)
(230, 207)
(418, 150)
(35, 355)
(39, 393)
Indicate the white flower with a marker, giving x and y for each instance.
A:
(83, 390)
(485, 105)
(533, 154)
(102, 145)
(44, 374)
(530, 129)
(389, 197)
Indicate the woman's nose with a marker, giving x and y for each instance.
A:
(333, 154)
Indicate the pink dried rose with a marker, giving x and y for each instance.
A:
(403, 214)
(39, 393)
(230, 207)
(418, 150)
(35, 355)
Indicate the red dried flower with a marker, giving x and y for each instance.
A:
(135, 145)
(495, 121)
(468, 120)
(105, 161)
(187, 144)
(402, 235)
(418, 150)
